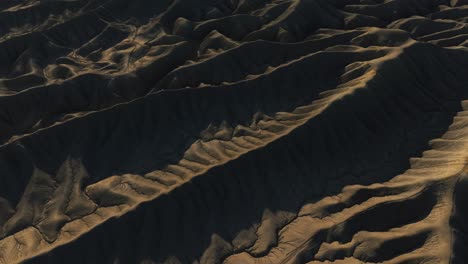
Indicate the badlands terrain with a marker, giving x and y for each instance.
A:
(233, 131)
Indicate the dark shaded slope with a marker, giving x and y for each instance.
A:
(333, 127)
(232, 131)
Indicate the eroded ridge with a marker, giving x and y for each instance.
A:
(399, 221)
(287, 131)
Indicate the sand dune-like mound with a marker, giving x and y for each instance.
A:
(234, 131)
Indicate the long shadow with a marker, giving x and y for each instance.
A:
(365, 137)
(314, 161)
(154, 131)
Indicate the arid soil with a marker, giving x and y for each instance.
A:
(233, 131)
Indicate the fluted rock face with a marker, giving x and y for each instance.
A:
(233, 131)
